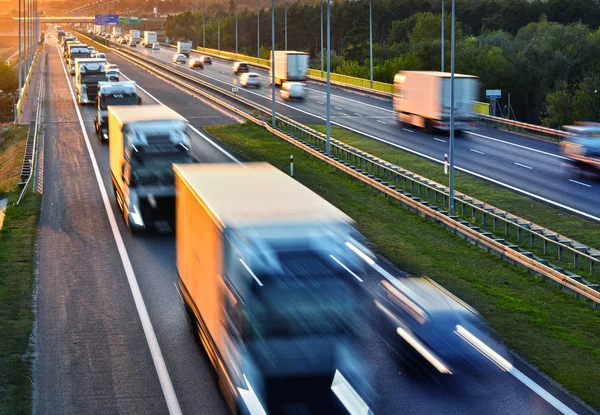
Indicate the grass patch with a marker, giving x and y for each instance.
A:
(551, 329)
(557, 220)
(18, 238)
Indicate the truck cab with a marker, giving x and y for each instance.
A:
(74, 52)
(89, 72)
(582, 146)
(112, 93)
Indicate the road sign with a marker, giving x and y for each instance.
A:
(493, 93)
(130, 20)
(107, 19)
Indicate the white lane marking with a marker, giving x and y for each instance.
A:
(201, 134)
(343, 114)
(523, 165)
(517, 145)
(407, 130)
(357, 114)
(352, 100)
(337, 108)
(439, 139)
(157, 357)
(346, 268)
(482, 176)
(382, 122)
(320, 103)
(476, 151)
(250, 272)
(491, 354)
(583, 184)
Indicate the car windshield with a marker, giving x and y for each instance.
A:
(93, 78)
(152, 169)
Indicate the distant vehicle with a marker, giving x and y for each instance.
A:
(88, 73)
(290, 66)
(156, 46)
(184, 48)
(422, 99)
(293, 90)
(206, 59)
(178, 58)
(196, 63)
(112, 72)
(113, 93)
(76, 51)
(240, 67)
(582, 149)
(150, 38)
(250, 79)
(144, 143)
(99, 55)
(91, 49)
(268, 281)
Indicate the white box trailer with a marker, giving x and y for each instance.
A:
(290, 66)
(184, 48)
(116, 31)
(98, 28)
(149, 38)
(422, 99)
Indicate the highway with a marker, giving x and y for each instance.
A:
(532, 166)
(112, 334)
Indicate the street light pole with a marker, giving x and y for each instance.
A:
(19, 56)
(236, 28)
(371, 43)
(204, 23)
(285, 20)
(443, 41)
(273, 109)
(258, 29)
(219, 25)
(322, 51)
(451, 151)
(328, 127)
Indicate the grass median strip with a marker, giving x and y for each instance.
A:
(18, 238)
(557, 220)
(552, 330)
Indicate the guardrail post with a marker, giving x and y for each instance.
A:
(494, 222)
(591, 267)
(506, 228)
(575, 260)
(518, 235)
(484, 215)
(559, 253)
(545, 247)
(532, 240)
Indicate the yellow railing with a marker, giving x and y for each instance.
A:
(354, 81)
(482, 108)
(230, 55)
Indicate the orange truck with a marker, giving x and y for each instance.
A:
(268, 274)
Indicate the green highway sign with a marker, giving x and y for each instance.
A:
(130, 20)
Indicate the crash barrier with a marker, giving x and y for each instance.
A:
(474, 221)
(518, 126)
(25, 87)
(29, 159)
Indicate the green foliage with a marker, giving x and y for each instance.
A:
(8, 78)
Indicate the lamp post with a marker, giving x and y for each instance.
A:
(273, 109)
(236, 28)
(204, 23)
(258, 29)
(451, 152)
(322, 51)
(328, 127)
(371, 43)
(285, 21)
(443, 41)
(219, 25)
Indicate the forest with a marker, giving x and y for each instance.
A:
(544, 53)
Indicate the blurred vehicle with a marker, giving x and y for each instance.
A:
(184, 48)
(582, 148)
(289, 66)
(269, 283)
(112, 72)
(293, 90)
(88, 73)
(196, 63)
(432, 331)
(134, 38)
(150, 38)
(113, 93)
(206, 59)
(91, 49)
(240, 67)
(74, 52)
(99, 55)
(250, 79)
(178, 58)
(144, 142)
(422, 99)
(156, 46)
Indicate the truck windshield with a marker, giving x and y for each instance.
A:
(93, 78)
(154, 169)
(310, 299)
(120, 100)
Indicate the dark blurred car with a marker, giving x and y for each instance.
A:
(196, 63)
(240, 67)
(206, 59)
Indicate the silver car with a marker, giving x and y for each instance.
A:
(293, 90)
(178, 58)
(250, 79)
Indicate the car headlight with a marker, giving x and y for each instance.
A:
(136, 217)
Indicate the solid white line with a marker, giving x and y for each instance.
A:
(523, 165)
(357, 114)
(407, 130)
(346, 268)
(343, 114)
(583, 184)
(476, 151)
(157, 357)
(337, 108)
(201, 134)
(517, 145)
(250, 272)
(439, 139)
(383, 122)
(319, 102)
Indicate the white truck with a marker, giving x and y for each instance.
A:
(116, 31)
(89, 73)
(422, 99)
(150, 38)
(134, 37)
(144, 142)
(184, 48)
(113, 93)
(290, 66)
(76, 51)
(99, 28)
(582, 147)
(269, 271)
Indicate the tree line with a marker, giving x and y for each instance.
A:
(544, 53)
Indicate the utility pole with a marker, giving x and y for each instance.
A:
(19, 56)
(236, 28)
(204, 23)
(219, 25)
(371, 43)
(451, 152)
(258, 29)
(328, 127)
(443, 41)
(273, 108)
(285, 20)
(322, 51)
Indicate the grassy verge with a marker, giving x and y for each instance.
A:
(18, 237)
(12, 148)
(552, 330)
(557, 220)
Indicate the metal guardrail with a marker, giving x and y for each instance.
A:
(34, 125)
(25, 87)
(519, 126)
(416, 192)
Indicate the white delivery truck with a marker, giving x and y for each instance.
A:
(144, 142)
(116, 31)
(88, 74)
(134, 37)
(184, 48)
(290, 66)
(269, 271)
(98, 28)
(422, 99)
(74, 52)
(150, 38)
